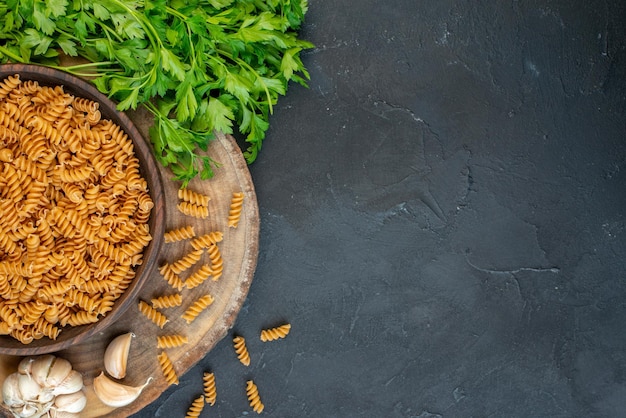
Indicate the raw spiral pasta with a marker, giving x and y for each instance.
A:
(186, 262)
(171, 278)
(196, 308)
(73, 210)
(152, 314)
(239, 344)
(253, 397)
(234, 213)
(171, 341)
(217, 263)
(192, 210)
(179, 234)
(167, 368)
(167, 301)
(206, 240)
(271, 334)
(196, 407)
(199, 276)
(195, 198)
(210, 392)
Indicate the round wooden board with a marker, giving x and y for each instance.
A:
(239, 250)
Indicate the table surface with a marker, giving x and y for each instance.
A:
(442, 219)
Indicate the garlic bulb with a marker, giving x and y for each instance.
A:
(115, 394)
(116, 355)
(44, 386)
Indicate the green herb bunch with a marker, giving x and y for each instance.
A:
(198, 66)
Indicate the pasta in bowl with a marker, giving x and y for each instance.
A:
(81, 210)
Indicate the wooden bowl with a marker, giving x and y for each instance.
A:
(70, 336)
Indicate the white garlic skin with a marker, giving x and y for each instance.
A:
(116, 355)
(71, 402)
(116, 394)
(44, 386)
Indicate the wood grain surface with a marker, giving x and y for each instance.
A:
(239, 250)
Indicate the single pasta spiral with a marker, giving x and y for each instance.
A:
(196, 407)
(217, 263)
(179, 234)
(210, 393)
(167, 301)
(171, 278)
(167, 368)
(199, 276)
(239, 344)
(192, 210)
(272, 334)
(234, 214)
(197, 307)
(186, 262)
(152, 314)
(205, 241)
(253, 397)
(171, 341)
(195, 198)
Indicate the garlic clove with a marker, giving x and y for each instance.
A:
(29, 410)
(72, 383)
(115, 394)
(70, 402)
(40, 367)
(25, 365)
(11, 391)
(28, 387)
(116, 355)
(45, 396)
(59, 370)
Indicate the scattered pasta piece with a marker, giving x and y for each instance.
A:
(179, 234)
(196, 308)
(199, 276)
(152, 314)
(205, 241)
(192, 210)
(195, 198)
(234, 214)
(196, 408)
(239, 344)
(171, 278)
(167, 301)
(272, 334)
(167, 368)
(217, 264)
(210, 392)
(253, 397)
(186, 262)
(171, 341)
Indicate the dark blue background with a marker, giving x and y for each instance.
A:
(442, 218)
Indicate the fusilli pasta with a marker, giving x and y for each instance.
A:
(196, 308)
(236, 205)
(271, 334)
(196, 408)
(62, 175)
(210, 392)
(152, 314)
(253, 397)
(239, 344)
(171, 341)
(179, 234)
(195, 198)
(167, 368)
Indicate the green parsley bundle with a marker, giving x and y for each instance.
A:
(198, 66)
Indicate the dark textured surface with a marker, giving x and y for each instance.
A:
(443, 219)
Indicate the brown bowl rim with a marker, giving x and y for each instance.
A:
(74, 335)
